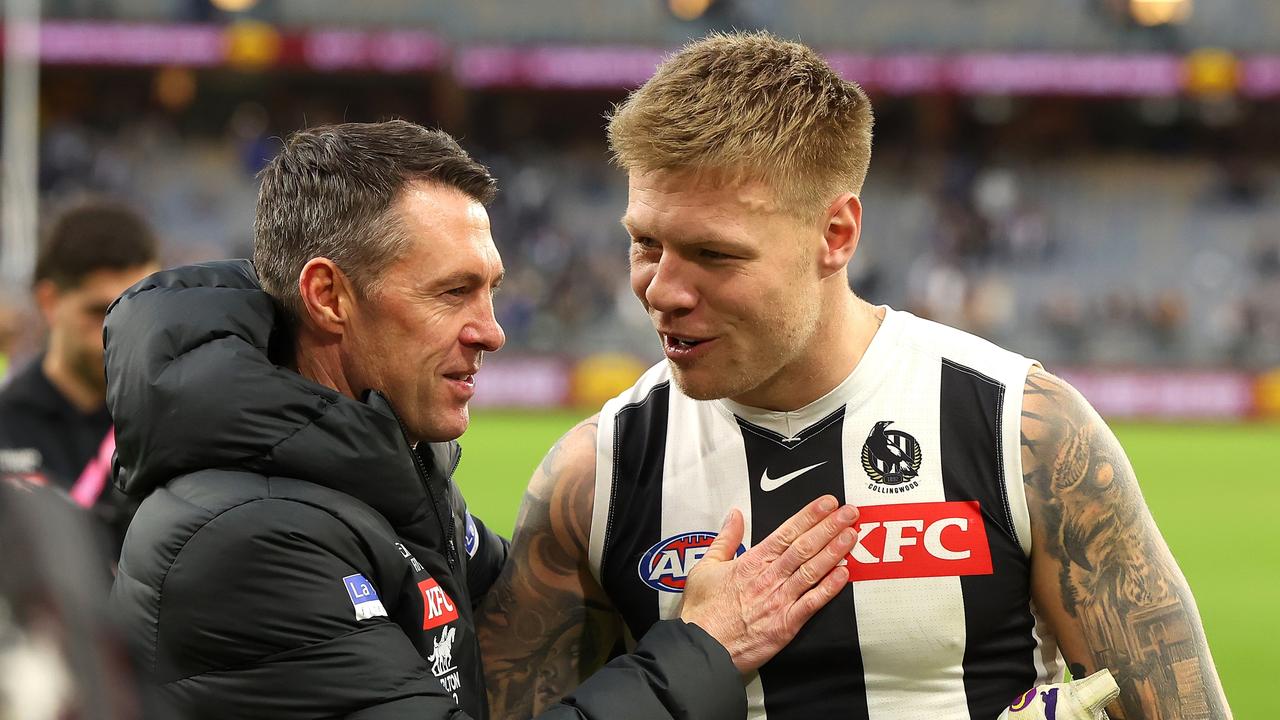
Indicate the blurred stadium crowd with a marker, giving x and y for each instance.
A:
(1103, 232)
(1107, 230)
(1113, 230)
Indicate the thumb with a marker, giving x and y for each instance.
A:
(725, 546)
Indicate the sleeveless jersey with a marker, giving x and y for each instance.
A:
(923, 437)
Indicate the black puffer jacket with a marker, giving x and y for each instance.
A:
(294, 557)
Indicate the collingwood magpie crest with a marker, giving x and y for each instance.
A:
(891, 459)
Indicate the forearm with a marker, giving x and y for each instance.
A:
(1148, 633)
(535, 655)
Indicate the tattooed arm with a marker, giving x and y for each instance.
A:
(1101, 573)
(546, 624)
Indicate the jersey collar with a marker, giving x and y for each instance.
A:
(866, 375)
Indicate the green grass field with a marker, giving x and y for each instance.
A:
(1214, 491)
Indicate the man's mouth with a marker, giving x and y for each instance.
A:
(683, 342)
(467, 377)
(684, 347)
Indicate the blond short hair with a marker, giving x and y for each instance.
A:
(755, 107)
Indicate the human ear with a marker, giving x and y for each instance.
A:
(47, 294)
(841, 233)
(327, 295)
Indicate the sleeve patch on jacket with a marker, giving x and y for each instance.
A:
(363, 597)
(471, 541)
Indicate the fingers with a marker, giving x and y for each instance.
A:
(788, 532)
(725, 546)
(812, 543)
(816, 599)
(820, 565)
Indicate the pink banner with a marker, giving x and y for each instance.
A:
(1260, 76)
(555, 66)
(893, 74)
(900, 74)
(523, 382)
(1166, 395)
(357, 50)
(1113, 75)
(96, 43)
(86, 43)
(618, 67)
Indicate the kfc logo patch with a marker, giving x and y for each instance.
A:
(437, 607)
(917, 540)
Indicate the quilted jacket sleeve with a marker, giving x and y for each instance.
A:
(677, 671)
(254, 621)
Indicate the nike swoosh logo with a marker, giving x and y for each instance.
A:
(769, 484)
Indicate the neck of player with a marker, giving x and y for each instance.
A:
(837, 346)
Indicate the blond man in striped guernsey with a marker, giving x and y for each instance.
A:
(1002, 536)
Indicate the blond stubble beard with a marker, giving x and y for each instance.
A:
(775, 355)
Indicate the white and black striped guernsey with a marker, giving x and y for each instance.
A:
(923, 437)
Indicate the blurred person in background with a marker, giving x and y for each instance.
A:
(54, 425)
(60, 656)
(302, 551)
(1003, 533)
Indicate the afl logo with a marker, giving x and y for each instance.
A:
(666, 565)
(891, 459)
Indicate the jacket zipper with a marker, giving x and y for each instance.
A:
(453, 522)
(452, 554)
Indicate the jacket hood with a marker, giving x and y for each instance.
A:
(191, 387)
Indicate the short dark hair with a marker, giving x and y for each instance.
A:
(91, 235)
(329, 194)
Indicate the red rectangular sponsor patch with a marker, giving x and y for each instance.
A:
(914, 540)
(437, 607)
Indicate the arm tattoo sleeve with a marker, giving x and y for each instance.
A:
(1111, 587)
(546, 625)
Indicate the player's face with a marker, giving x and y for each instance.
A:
(420, 336)
(728, 280)
(75, 316)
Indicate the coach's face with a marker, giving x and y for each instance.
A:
(419, 337)
(728, 280)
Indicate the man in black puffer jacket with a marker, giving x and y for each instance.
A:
(302, 551)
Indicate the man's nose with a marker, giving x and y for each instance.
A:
(483, 332)
(670, 289)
